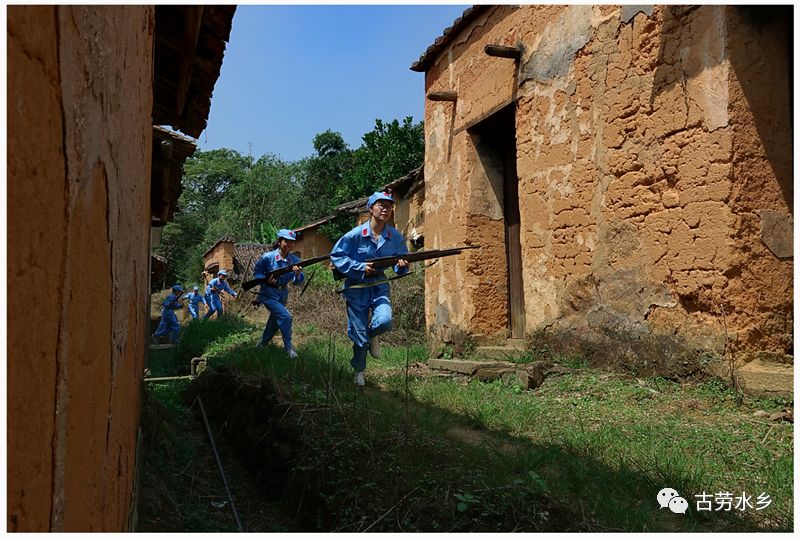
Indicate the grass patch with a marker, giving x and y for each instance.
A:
(587, 451)
(182, 490)
(174, 455)
(652, 434)
(543, 352)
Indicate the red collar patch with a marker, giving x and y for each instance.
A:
(278, 257)
(388, 233)
(364, 232)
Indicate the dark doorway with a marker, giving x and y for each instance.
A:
(496, 142)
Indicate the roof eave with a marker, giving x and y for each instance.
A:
(433, 51)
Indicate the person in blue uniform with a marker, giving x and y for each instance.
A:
(169, 325)
(214, 291)
(194, 300)
(374, 238)
(274, 293)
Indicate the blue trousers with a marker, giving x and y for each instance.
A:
(359, 328)
(193, 310)
(279, 318)
(214, 305)
(169, 326)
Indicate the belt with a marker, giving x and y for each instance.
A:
(352, 281)
(279, 287)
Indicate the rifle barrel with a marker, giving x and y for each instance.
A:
(383, 262)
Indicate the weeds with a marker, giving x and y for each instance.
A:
(586, 451)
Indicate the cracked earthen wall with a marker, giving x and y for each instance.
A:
(653, 150)
(79, 139)
(409, 217)
(313, 243)
(221, 257)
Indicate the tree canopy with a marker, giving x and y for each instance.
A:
(227, 193)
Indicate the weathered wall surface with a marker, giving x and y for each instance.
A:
(459, 287)
(313, 243)
(221, 257)
(653, 149)
(409, 216)
(79, 102)
(760, 286)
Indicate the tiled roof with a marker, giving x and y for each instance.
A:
(245, 256)
(188, 46)
(170, 151)
(397, 186)
(424, 61)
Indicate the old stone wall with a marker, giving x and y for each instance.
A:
(79, 103)
(653, 154)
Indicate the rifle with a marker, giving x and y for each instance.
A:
(389, 261)
(285, 270)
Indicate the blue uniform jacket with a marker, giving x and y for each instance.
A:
(194, 298)
(171, 303)
(216, 285)
(273, 261)
(351, 251)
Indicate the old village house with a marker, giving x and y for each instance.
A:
(627, 171)
(89, 176)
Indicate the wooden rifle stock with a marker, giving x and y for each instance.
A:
(285, 270)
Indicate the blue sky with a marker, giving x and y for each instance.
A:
(291, 72)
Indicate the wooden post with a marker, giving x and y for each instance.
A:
(500, 51)
(442, 96)
(166, 157)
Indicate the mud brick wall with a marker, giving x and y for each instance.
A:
(313, 243)
(221, 257)
(79, 108)
(409, 217)
(654, 157)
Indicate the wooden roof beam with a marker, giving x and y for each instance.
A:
(188, 42)
(442, 96)
(500, 51)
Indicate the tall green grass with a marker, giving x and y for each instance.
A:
(584, 452)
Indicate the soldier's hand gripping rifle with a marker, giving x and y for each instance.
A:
(379, 264)
(285, 270)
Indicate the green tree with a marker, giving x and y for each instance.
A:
(324, 173)
(182, 246)
(389, 151)
(207, 176)
(269, 192)
(226, 193)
